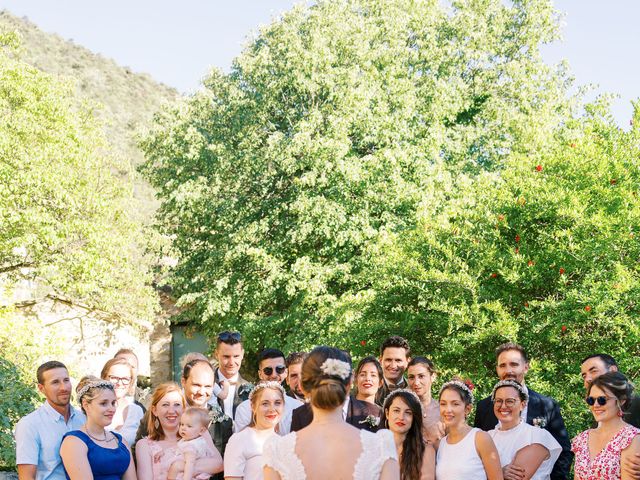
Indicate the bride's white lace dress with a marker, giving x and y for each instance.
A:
(377, 448)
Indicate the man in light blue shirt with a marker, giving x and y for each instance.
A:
(39, 434)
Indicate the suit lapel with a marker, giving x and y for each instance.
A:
(533, 409)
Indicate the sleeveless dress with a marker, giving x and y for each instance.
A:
(106, 463)
(606, 464)
(377, 448)
(461, 460)
(510, 442)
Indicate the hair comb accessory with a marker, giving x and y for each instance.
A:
(336, 368)
(389, 398)
(461, 385)
(263, 385)
(509, 383)
(99, 384)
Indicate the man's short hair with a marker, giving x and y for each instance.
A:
(295, 358)
(395, 341)
(48, 366)
(512, 346)
(608, 360)
(268, 353)
(230, 338)
(125, 351)
(186, 370)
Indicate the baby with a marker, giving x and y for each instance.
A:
(192, 446)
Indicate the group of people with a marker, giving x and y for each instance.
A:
(313, 416)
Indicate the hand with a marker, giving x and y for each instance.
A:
(512, 472)
(631, 465)
(442, 430)
(225, 389)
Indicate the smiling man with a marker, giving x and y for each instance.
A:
(39, 434)
(512, 363)
(271, 368)
(394, 358)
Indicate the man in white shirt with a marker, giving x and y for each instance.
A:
(39, 434)
(271, 367)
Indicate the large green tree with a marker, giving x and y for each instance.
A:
(63, 209)
(277, 178)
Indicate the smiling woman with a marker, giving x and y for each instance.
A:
(93, 451)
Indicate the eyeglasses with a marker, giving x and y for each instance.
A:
(269, 370)
(509, 402)
(123, 380)
(602, 400)
(229, 337)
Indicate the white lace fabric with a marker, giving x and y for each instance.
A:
(377, 448)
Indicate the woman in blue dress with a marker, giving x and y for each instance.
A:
(93, 453)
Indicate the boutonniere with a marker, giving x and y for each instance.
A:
(217, 415)
(245, 389)
(370, 420)
(539, 422)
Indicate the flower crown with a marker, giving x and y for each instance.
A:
(266, 384)
(389, 398)
(336, 368)
(96, 384)
(510, 383)
(459, 384)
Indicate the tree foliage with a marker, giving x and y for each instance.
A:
(62, 209)
(369, 167)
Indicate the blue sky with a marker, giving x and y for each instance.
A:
(177, 42)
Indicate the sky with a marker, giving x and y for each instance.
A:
(178, 42)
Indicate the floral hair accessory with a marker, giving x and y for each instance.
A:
(458, 384)
(510, 383)
(390, 397)
(336, 368)
(90, 385)
(267, 384)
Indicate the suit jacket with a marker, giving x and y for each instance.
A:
(548, 411)
(357, 412)
(221, 431)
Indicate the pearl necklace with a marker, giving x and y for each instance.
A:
(105, 439)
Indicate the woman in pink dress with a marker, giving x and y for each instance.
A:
(156, 452)
(600, 451)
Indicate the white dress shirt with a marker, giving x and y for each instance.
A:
(227, 402)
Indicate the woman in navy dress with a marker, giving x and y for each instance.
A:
(94, 453)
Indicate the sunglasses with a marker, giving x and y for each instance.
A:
(602, 400)
(227, 337)
(269, 370)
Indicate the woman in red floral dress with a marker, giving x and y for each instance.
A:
(601, 451)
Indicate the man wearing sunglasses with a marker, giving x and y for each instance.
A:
(271, 367)
(598, 364)
(512, 363)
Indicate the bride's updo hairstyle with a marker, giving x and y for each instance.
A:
(326, 374)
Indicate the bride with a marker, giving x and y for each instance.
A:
(329, 447)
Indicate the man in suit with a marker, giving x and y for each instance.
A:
(229, 354)
(355, 412)
(271, 368)
(294, 375)
(595, 365)
(394, 358)
(542, 411)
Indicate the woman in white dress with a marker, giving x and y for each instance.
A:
(403, 416)
(128, 414)
(329, 447)
(464, 453)
(243, 455)
(526, 452)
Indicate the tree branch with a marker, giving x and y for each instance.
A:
(17, 266)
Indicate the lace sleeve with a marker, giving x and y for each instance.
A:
(279, 454)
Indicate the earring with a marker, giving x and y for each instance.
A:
(620, 413)
(156, 423)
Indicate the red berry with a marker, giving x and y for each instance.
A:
(494, 275)
(587, 308)
(562, 271)
(500, 218)
(526, 304)
(363, 343)
(517, 238)
(613, 181)
(573, 145)
(564, 328)
(517, 250)
(530, 263)
(538, 168)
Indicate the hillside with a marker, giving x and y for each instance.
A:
(127, 100)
